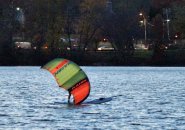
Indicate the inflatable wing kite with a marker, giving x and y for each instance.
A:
(70, 77)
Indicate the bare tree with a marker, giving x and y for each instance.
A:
(90, 21)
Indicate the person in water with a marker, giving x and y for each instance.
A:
(69, 96)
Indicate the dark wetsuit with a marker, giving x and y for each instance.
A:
(69, 97)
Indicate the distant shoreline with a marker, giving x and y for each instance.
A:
(146, 58)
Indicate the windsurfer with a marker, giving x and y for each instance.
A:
(70, 76)
(69, 97)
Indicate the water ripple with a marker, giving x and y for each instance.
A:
(144, 98)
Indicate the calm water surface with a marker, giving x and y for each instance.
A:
(146, 98)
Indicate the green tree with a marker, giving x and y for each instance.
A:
(178, 19)
(122, 25)
(90, 21)
(55, 24)
(70, 16)
(37, 19)
(45, 24)
(7, 21)
(158, 53)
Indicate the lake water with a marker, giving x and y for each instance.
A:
(146, 98)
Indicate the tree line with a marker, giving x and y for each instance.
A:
(47, 21)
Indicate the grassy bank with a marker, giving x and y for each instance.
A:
(91, 58)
